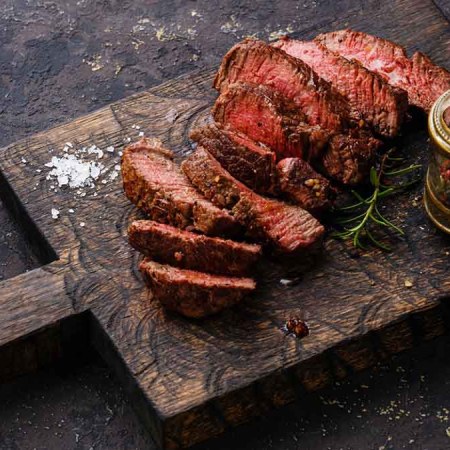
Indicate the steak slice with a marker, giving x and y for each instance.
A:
(304, 186)
(419, 76)
(188, 250)
(266, 116)
(371, 98)
(428, 80)
(254, 61)
(348, 159)
(251, 163)
(287, 228)
(154, 183)
(193, 294)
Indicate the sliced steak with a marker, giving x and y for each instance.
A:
(428, 80)
(193, 294)
(287, 228)
(187, 250)
(419, 77)
(266, 116)
(251, 163)
(304, 186)
(255, 165)
(254, 61)
(371, 98)
(154, 183)
(348, 159)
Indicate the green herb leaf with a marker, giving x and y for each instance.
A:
(360, 220)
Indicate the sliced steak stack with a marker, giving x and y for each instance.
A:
(254, 61)
(254, 164)
(419, 76)
(193, 294)
(182, 278)
(266, 116)
(154, 183)
(188, 250)
(286, 112)
(287, 228)
(371, 98)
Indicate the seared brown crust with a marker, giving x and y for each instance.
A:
(372, 100)
(193, 294)
(254, 61)
(154, 183)
(285, 227)
(423, 80)
(266, 116)
(249, 162)
(211, 179)
(304, 186)
(187, 250)
(348, 159)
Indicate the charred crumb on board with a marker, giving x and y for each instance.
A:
(296, 327)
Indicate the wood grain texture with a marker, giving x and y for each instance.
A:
(193, 379)
(34, 300)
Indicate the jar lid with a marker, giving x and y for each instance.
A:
(439, 122)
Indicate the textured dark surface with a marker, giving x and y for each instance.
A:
(402, 405)
(48, 64)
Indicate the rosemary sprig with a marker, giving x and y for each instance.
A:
(358, 221)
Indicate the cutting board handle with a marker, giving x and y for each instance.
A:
(32, 306)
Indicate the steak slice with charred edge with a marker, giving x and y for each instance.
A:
(254, 61)
(304, 186)
(348, 159)
(371, 98)
(285, 227)
(423, 80)
(251, 163)
(154, 183)
(187, 250)
(267, 117)
(193, 294)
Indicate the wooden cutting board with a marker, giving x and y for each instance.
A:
(190, 380)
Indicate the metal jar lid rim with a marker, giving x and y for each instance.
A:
(438, 129)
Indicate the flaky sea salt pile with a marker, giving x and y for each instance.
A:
(69, 170)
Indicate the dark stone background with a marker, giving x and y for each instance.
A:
(60, 59)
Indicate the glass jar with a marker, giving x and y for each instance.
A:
(437, 189)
